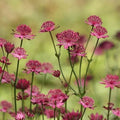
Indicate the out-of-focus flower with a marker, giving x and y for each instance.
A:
(56, 73)
(46, 68)
(96, 117)
(5, 60)
(50, 113)
(94, 20)
(33, 66)
(6, 106)
(35, 91)
(82, 39)
(2, 42)
(8, 47)
(56, 98)
(47, 26)
(20, 116)
(87, 102)
(19, 53)
(22, 84)
(117, 35)
(116, 112)
(72, 116)
(24, 31)
(67, 38)
(111, 81)
(109, 107)
(99, 32)
(20, 96)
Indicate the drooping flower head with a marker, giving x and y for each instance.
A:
(109, 107)
(8, 47)
(6, 106)
(19, 53)
(47, 26)
(20, 116)
(24, 31)
(33, 66)
(94, 21)
(67, 38)
(2, 42)
(116, 112)
(96, 117)
(87, 102)
(22, 84)
(72, 116)
(5, 60)
(46, 68)
(111, 81)
(99, 32)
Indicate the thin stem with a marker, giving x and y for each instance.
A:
(89, 38)
(22, 100)
(89, 61)
(54, 112)
(31, 91)
(21, 43)
(83, 113)
(109, 103)
(42, 112)
(3, 115)
(66, 106)
(80, 68)
(3, 51)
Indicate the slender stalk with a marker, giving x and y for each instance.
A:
(21, 43)
(80, 68)
(54, 112)
(3, 51)
(89, 38)
(15, 102)
(110, 90)
(66, 106)
(88, 65)
(31, 91)
(83, 113)
(22, 100)
(42, 112)
(58, 118)
(3, 115)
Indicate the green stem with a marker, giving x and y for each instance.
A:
(80, 68)
(31, 92)
(83, 113)
(3, 51)
(42, 112)
(109, 103)
(89, 61)
(66, 106)
(54, 112)
(21, 43)
(22, 100)
(3, 115)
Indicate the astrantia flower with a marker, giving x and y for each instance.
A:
(23, 31)
(67, 38)
(96, 117)
(87, 102)
(72, 116)
(116, 112)
(19, 53)
(94, 21)
(50, 113)
(111, 81)
(6, 106)
(82, 39)
(20, 116)
(8, 47)
(78, 50)
(99, 32)
(22, 84)
(56, 73)
(2, 42)
(47, 26)
(46, 68)
(33, 66)
(20, 96)
(5, 60)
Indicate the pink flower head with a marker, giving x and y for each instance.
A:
(8, 47)
(116, 112)
(94, 21)
(96, 117)
(6, 78)
(35, 91)
(22, 84)
(82, 39)
(20, 116)
(56, 73)
(24, 31)
(50, 113)
(67, 38)
(6, 106)
(72, 116)
(47, 68)
(78, 50)
(74, 59)
(20, 96)
(5, 60)
(2, 42)
(99, 32)
(33, 66)
(19, 53)
(56, 98)
(47, 26)
(87, 102)
(111, 81)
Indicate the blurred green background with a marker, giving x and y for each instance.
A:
(69, 14)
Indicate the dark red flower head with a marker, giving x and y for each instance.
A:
(22, 84)
(9, 47)
(56, 73)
